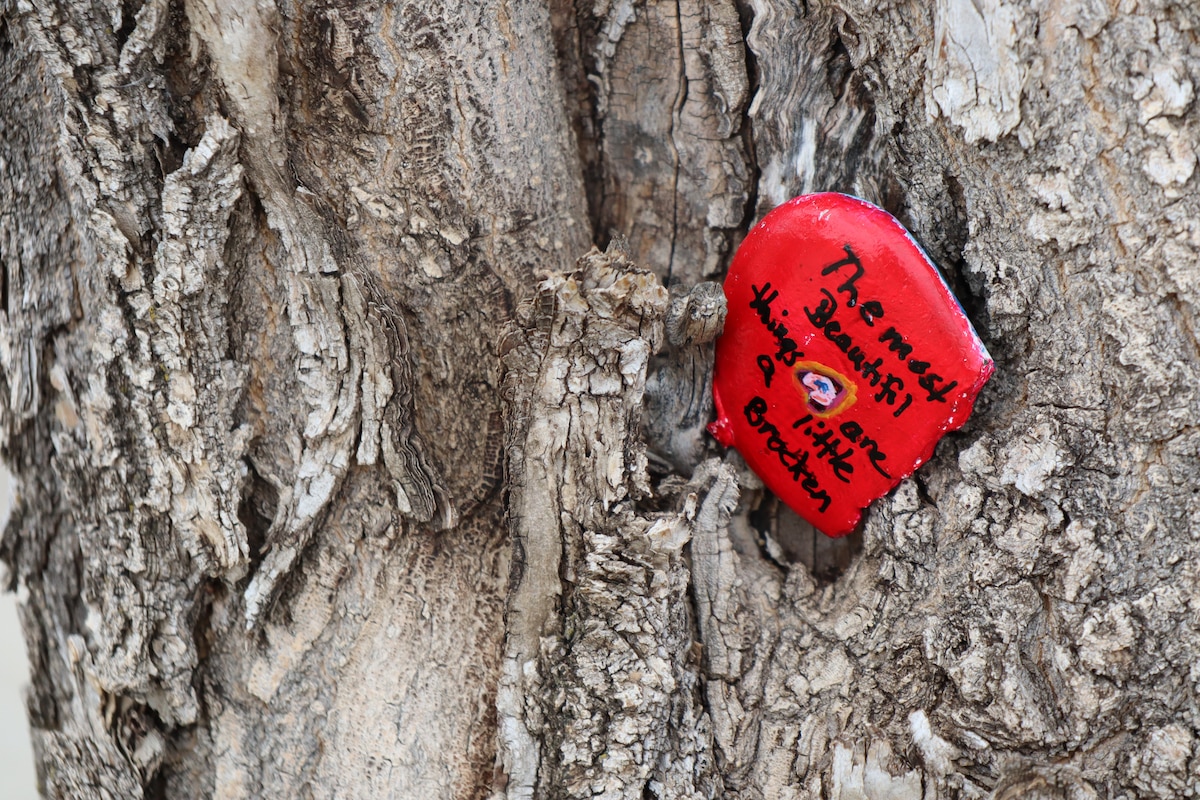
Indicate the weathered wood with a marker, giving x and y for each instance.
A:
(340, 475)
(679, 402)
(666, 87)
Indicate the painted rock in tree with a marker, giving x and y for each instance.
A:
(844, 359)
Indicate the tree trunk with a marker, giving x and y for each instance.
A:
(345, 469)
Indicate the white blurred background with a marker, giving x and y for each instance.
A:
(17, 781)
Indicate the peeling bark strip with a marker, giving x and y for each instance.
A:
(597, 695)
(576, 374)
(326, 310)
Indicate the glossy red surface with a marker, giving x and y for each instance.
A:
(844, 359)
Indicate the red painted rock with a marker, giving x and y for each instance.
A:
(844, 359)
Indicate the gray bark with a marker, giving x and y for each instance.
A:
(347, 468)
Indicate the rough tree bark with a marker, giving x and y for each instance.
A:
(346, 471)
